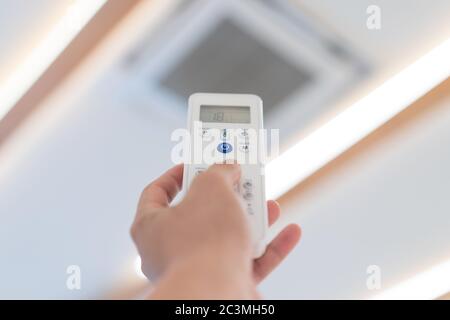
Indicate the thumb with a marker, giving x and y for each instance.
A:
(230, 171)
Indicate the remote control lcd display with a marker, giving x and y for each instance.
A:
(225, 114)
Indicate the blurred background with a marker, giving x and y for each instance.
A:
(90, 92)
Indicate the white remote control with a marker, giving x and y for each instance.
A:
(226, 128)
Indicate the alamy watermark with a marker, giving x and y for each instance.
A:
(373, 281)
(73, 281)
(212, 145)
(373, 21)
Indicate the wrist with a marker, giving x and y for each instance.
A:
(214, 274)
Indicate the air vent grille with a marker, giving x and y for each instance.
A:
(230, 60)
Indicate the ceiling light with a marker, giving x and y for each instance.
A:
(357, 121)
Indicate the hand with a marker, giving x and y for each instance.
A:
(199, 227)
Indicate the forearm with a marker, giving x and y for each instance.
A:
(207, 275)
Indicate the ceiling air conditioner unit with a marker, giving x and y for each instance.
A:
(268, 48)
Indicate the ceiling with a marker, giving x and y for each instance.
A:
(22, 24)
(71, 176)
(384, 203)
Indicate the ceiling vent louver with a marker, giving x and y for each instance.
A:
(250, 46)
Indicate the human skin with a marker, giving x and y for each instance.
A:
(199, 248)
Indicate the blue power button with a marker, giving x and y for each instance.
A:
(224, 147)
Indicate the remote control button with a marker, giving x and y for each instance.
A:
(244, 148)
(243, 133)
(247, 195)
(224, 147)
(205, 133)
(247, 185)
(198, 171)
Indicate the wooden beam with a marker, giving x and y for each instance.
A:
(89, 37)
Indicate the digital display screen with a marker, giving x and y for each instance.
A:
(225, 114)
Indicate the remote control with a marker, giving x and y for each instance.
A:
(226, 128)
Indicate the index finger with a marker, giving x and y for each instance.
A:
(161, 191)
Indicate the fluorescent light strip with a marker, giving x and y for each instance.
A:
(70, 24)
(357, 121)
(430, 284)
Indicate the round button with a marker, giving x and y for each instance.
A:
(224, 147)
(224, 134)
(247, 185)
(248, 195)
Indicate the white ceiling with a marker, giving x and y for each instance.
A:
(407, 27)
(72, 176)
